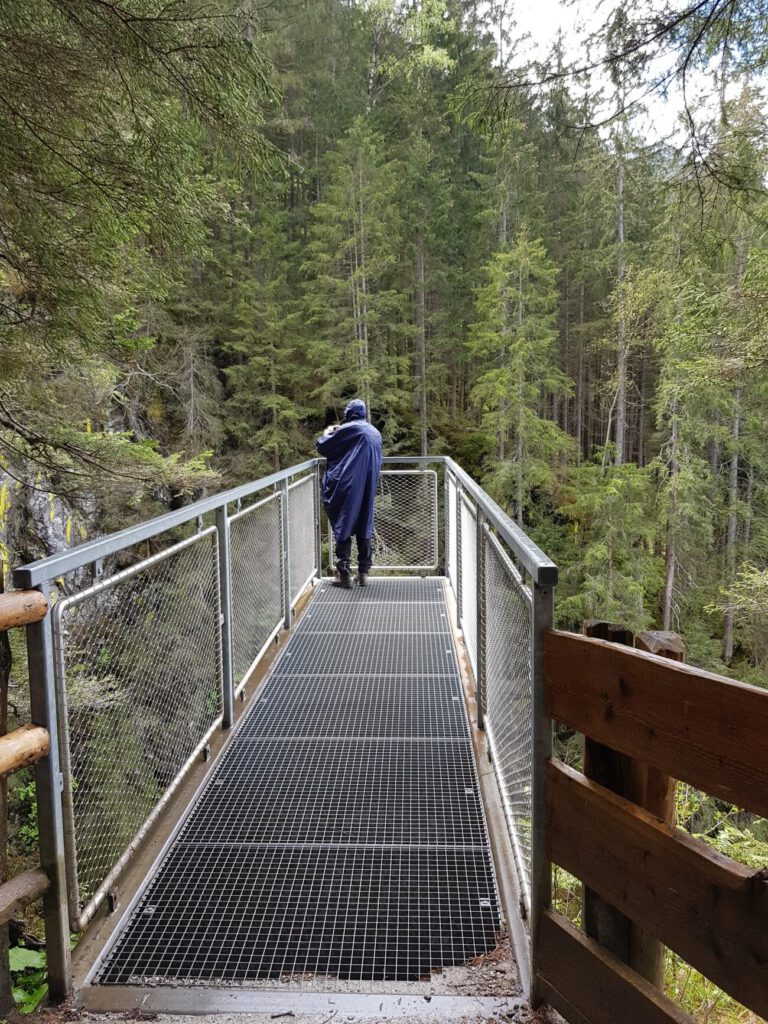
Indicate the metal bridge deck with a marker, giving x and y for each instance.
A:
(341, 836)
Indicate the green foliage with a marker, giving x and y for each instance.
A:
(616, 573)
(29, 978)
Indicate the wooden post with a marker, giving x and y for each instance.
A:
(654, 791)
(609, 768)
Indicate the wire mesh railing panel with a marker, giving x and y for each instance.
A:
(452, 546)
(509, 692)
(405, 529)
(301, 534)
(139, 683)
(257, 581)
(405, 525)
(469, 580)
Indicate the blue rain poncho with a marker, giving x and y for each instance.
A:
(354, 456)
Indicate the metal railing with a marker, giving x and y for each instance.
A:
(405, 532)
(133, 671)
(504, 590)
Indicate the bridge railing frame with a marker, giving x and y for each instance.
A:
(491, 527)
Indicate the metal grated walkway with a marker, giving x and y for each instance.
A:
(341, 836)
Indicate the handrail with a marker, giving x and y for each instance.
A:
(533, 559)
(35, 573)
(541, 568)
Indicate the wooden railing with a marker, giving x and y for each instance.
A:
(20, 748)
(691, 725)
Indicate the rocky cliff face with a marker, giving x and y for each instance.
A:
(36, 523)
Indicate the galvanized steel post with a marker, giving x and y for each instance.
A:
(541, 868)
(48, 782)
(446, 523)
(318, 523)
(286, 545)
(225, 592)
(459, 581)
(481, 618)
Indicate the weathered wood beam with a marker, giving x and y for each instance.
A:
(17, 894)
(709, 909)
(603, 922)
(587, 985)
(693, 725)
(655, 791)
(21, 607)
(22, 747)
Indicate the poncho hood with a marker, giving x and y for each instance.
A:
(354, 411)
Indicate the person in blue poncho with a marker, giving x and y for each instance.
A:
(353, 451)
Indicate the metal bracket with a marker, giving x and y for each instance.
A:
(206, 752)
(113, 898)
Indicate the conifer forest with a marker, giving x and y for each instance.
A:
(221, 220)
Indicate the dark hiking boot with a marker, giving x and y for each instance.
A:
(362, 579)
(343, 578)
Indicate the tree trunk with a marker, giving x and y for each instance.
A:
(731, 533)
(670, 561)
(748, 503)
(621, 391)
(363, 296)
(421, 339)
(580, 379)
(566, 419)
(520, 448)
(641, 411)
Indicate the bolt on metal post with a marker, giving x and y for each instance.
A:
(225, 592)
(50, 819)
(541, 868)
(286, 550)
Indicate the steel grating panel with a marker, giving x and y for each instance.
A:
(376, 706)
(341, 834)
(375, 617)
(359, 792)
(368, 654)
(227, 914)
(402, 589)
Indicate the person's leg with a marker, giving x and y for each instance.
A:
(343, 554)
(364, 557)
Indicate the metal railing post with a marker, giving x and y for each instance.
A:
(446, 523)
(541, 868)
(459, 581)
(50, 819)
(225, 591)
(318, 522)
(286, 536)
(481, 618)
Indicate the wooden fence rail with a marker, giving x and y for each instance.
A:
(692, 725)
(18, 749)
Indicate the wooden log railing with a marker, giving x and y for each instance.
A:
(686, 724)
(18, 749)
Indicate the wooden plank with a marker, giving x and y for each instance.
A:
(712, 911)
(693, 725)
(663, 642)
(22, 747)
(588, 985)
(20, 607)
(603, 922)
(17, 894)
(655, 791)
